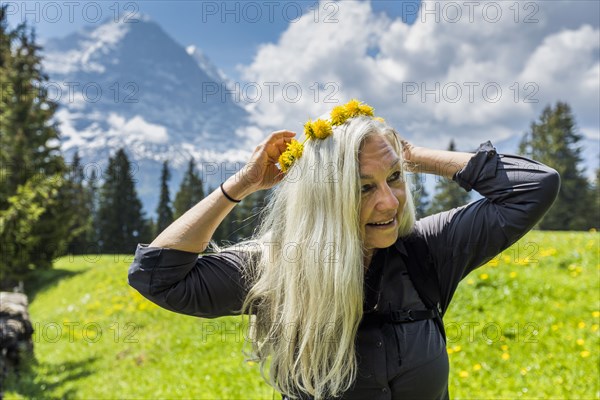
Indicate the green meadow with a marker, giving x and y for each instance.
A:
(525, 325)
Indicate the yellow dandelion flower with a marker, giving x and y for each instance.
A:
(338, 115)
(456, 349)
(476, 367)
(463, 374)
(513, 274)
(554, 327)
(293, 152)
(584, 354)
(365, 110)
(596, 314)
(493, 262)
(308, 129)
(353, 108)
(321, 129)
(580, 341)
(470, 281)
(484, 276)
(504, 347)
(505, 356)
(581, 325)
(450, 351)
(594, 327)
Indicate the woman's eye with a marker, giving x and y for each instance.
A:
(365, 188)
(396, 176)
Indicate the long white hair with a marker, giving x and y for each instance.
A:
(306, 281)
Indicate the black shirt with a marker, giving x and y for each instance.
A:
(396, 361)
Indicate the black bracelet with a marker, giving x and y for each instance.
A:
(229, 197)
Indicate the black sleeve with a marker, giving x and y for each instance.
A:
(208, 286)
(517, 193)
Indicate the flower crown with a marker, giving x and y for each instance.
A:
(321, 129)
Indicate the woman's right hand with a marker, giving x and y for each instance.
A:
(261, 173)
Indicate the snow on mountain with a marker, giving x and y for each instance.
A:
(130, 85)
(205, 64)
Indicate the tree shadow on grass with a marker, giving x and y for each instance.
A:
(31, 384)
(45, 279)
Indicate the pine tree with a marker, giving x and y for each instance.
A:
(419, 194)
(448, 194)
(553, 141)
(190, 191)
(35, 220)
(92, 234)
(243, 219)
(163, 211)
(121, 223)
(596, 202)
(81, 205)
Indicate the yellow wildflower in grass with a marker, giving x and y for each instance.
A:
(484, 276)
(338, 115)
(456, 349)
(505, 356)
(513, 274)
(554, 327)
(504, 347)
(493, 262)
(584, 354)
(293, 152)
(321, 129)
(476, 367)
(581, 325)
(596, 314)
(463, 374)
(594, 327)
(470, 281)
(548, 252)
(580, 342)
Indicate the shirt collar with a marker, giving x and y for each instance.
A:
(399, 245)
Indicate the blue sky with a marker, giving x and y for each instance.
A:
(228, 32)
(395, 55)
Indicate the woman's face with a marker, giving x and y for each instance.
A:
(383, 192)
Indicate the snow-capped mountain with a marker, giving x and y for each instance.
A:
(128, 84)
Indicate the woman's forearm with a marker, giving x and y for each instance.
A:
(438, 162)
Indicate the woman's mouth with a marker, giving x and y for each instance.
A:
(383, 224)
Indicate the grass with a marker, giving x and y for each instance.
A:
(526, 325)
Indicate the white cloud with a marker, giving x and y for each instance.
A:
(534, 53)
(137, 128)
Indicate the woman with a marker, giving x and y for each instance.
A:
(345, 289)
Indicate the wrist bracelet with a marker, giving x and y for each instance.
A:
(228, 196)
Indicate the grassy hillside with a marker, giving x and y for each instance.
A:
(526, 325)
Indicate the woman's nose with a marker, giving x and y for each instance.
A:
(387, 200)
